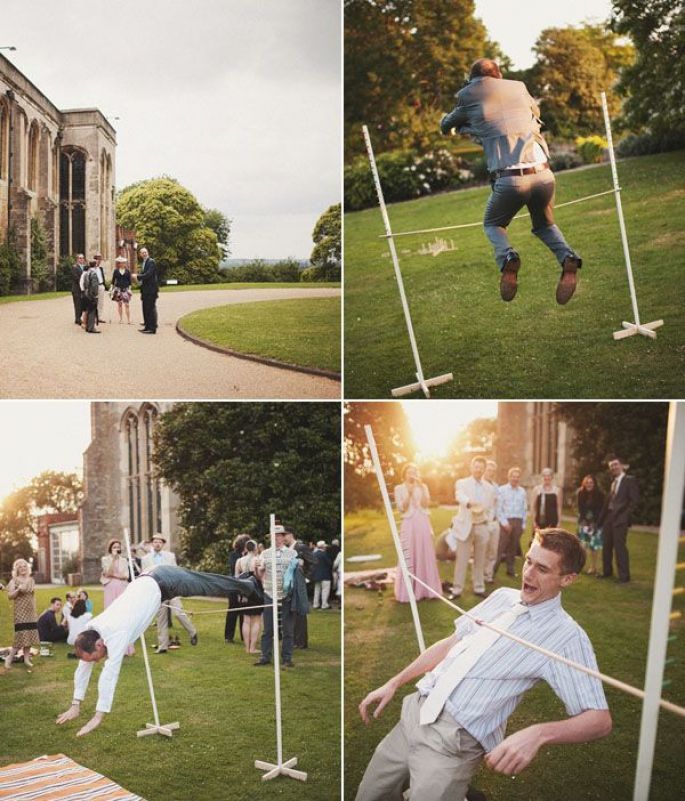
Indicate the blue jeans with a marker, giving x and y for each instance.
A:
(179, 582)
(509, 195)
(287, 618)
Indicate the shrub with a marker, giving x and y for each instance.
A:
(42, 279)
(591, 148)
(288, 270)
(646, 143)
(63, 275)
(564, 160)
(10, 265)
(311, 274)
(404, 175)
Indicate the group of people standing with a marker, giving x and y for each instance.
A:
(89, 287)
(491, 518)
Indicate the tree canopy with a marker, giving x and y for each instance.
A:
(221, 225)
(172, 225)
(47, 493)
(326, 255)
(655, 83)
(233, 464)
(573, 66)
(404, 62)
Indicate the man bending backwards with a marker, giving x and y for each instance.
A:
(109, 634)
(474, 680)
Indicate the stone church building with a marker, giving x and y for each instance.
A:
(120, 487)
(57, 166)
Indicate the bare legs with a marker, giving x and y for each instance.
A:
(252, 625)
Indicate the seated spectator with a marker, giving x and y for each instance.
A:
(78, 621)
(49, 630)
(83, 596)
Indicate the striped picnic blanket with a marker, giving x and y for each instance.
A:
(58, 778)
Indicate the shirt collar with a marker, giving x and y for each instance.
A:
(549, 607)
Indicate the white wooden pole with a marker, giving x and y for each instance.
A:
(635, 327)
(395, 536)
(280, 768)
(157, 727)
(422, 384)
(669, 532)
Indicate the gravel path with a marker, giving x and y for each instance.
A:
(44, 355)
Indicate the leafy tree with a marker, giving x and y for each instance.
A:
(221, 225)
(233, 464)
(47, 493)
(636, 432)
(170, 222)
(404, 61)
(573, 66)
(395, 444)
(326, 255)
(655, 83)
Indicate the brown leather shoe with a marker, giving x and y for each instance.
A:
(507, 282)
(568, 279)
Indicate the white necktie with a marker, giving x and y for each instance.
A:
(475, 647)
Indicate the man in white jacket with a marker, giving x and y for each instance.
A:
(478, 498)
(158, 556)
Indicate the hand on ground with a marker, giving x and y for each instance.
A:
(71, 714)
(93, 723)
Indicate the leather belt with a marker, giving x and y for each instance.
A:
(521, 171)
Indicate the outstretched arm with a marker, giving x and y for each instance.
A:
(518, 750)
(422, 664)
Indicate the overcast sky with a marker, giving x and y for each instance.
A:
(516, 26)
(41, 435)
(237, 99)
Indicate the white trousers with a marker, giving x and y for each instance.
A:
(322, 592)
(478, 538)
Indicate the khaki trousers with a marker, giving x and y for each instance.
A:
(478, 538)
(435, 761)
(492, 550)
(163, 622)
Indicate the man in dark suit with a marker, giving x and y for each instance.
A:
(149, 290)
(615, 519)
(505, 119)
(76, 273)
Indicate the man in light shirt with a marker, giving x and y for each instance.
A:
(512, 508)
(437, 759)
(126, 618)
(478, 496)
(505, 119)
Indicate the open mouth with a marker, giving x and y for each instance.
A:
(529, 587)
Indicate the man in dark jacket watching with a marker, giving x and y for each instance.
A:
(505, 119)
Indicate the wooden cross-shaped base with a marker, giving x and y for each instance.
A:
(646, 329)
(286, 769)
(167, 729)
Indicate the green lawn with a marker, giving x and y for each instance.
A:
(303, 331)
(530, 347)
(184, 288)
(380, 640)
(224, 704)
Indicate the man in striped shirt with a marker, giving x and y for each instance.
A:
(437, 759)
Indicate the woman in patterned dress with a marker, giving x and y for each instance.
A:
(21, 590)
(590, 501)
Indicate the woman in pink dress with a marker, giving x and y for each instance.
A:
(114, 576)
(416, 534)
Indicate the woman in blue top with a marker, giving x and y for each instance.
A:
(121, 287)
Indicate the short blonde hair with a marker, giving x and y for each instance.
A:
(17, 562)
(512, 469)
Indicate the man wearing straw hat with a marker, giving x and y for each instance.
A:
(474, 680)
(505, 119)
(126, 618)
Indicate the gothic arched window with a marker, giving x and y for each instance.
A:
(142, 485)
(32, 153)
(72, 201)
(4, 139)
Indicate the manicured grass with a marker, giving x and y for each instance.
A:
(256, 285)
(530, 347)
(224, 704)
(380, 640)
(184, 288)
(305, 332)
(37, 296)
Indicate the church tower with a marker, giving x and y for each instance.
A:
(121, 488)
